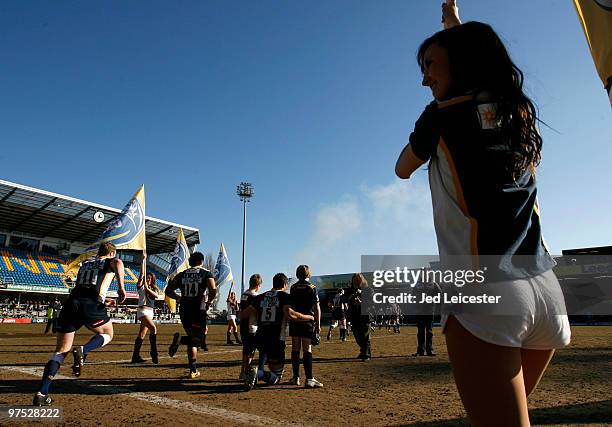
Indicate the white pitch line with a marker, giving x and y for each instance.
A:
(105, 362)
(200, 408)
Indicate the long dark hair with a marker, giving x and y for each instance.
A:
(479, 62)
(154, 278)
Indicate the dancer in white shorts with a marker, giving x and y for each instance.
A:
(481, 140)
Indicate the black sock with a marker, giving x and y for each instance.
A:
(192, 362)
(236, 336)
(137, 345)
(229, 337)
(295, 362)
(203, 341)
(308, 364)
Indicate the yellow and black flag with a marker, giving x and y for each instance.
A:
(125, 231)
(596, 19)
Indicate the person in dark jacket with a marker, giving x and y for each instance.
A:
(360, 322)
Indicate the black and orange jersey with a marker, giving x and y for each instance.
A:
(479, 207)
(303, 297)
(94, 278)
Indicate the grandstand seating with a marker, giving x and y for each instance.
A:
(46, 271)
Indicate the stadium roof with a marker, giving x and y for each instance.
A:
(44, 214)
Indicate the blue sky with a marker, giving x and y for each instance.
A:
(310, 101)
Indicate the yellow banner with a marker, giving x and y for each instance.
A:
(596, 19)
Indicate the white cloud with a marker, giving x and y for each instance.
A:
(385, 219)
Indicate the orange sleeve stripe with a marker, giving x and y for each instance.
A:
(461, 199)
(454, 101)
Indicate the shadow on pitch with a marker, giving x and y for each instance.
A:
(582, 413)
(206, 364)
(120, 386)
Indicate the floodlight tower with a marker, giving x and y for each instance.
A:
(245, 192)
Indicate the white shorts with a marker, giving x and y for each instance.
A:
(231, 317)
(532, 316)
(144, 311)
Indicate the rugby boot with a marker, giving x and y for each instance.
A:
(313, 383)
(250, 379)
(42, 400)
(137, 359)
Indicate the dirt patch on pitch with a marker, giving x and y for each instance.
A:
(391, 389)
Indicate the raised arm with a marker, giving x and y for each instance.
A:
(143, 271)
(151, 292)
(450, 14)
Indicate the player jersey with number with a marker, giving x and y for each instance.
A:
(303, 297)
(193, 284)
(271, 322)
(250, 323)
(95, 275)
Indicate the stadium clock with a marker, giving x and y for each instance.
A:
(98, 216)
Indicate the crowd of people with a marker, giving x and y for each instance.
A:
(24, 308)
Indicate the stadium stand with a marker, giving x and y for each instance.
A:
(44, 272)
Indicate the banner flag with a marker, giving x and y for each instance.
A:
(223, 273)
(125, 231)
(596, 19)
(178, 263)
(180, 256)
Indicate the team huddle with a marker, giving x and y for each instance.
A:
(263, 320)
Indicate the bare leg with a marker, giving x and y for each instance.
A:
(534, 364)
(63, 342)
(489, 379)
(142, 332)
(147, 323)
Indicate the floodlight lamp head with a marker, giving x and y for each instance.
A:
(245, 191)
